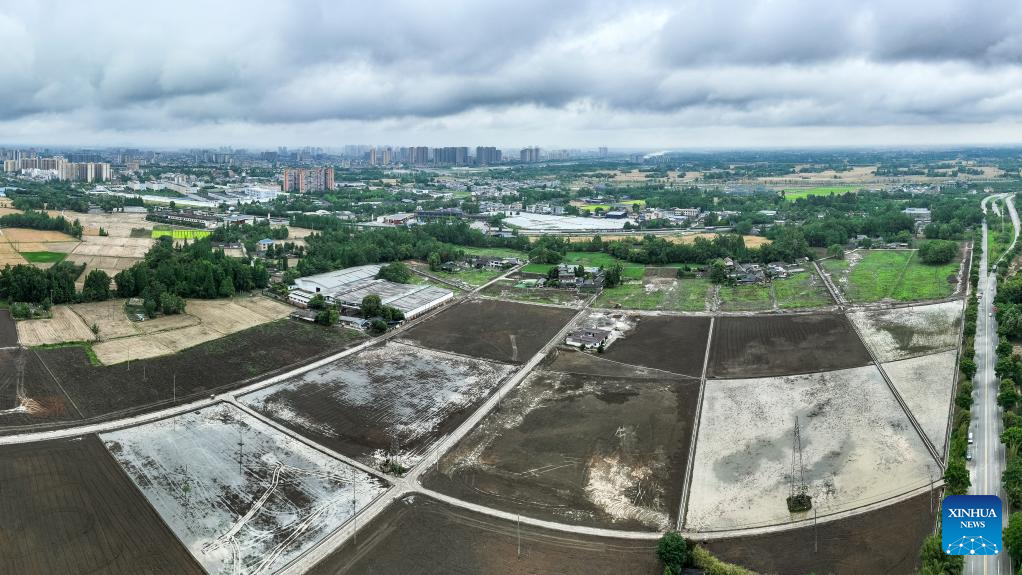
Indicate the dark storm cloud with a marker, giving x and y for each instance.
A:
(128, 67)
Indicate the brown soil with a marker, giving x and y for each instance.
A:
(607, 452)
(885, 541)
(492, 329)
(8, 329)
(226, 363)
(66, 507)
(675, 344)
(745, 347)
(418, 534)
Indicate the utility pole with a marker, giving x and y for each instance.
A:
(519, 536)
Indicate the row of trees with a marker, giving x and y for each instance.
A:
(55, 285)
(42, 221)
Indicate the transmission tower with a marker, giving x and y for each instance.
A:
(798, 493)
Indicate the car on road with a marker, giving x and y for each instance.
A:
(970, 438)
(968, 454)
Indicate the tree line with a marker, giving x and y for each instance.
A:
(42, 221)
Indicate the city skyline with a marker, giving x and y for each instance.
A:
(640, 75)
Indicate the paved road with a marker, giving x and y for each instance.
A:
(988, 451)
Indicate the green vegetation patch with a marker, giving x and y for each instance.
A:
(181, 234)
(892, 274)
(687, 294)
(492, 252)
(792, 195)
(43, 257)
(754, 297)
(921, 281)
(876, 275)
(804, 289)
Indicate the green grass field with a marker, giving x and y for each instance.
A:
(997, 241)
(746, 298)
(685, 295)
(792, 195)
(801, 290)
(891, 274)
(181, 234)
(505, 289)
(472, 277)
(43, 257)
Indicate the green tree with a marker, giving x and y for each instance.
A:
(1007, 397)
(1012, 437)
(371, 306)
(1011, 479)
(396, 272)
(1013, 537)
(612, 276)
(434, 261)
(96, 286)
(672, 550)
(317, 301)
(836, 251)
(718, 272)
(226, 288)
(935, 252)
(956, 477)
(934, 561)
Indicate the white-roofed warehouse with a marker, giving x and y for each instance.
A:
(348, 286)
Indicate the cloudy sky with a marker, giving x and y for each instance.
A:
(657, 75)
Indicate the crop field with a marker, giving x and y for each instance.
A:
(111, 246)
(505, 289)
(387, 401)
(181, 234)
(886, 540)
(858, 447)
(925, 383)
(418, 534)
(875, 275)
(901, 333)
(669, 343)
(28, 394)
(64, 326)
(584, 449)
(9, 255)
(492, 329)
(43, 257)
(242, 497)
(783, 345)
(229, 362)
(797, 194)
(17, 235)
(116, 224)
(203, 320)
(68, 508)
(8, 329)
(658, 293)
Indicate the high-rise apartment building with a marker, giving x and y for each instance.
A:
(303, 180)
(487, 155)
(528, 155)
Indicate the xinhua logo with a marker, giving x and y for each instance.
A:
(972, 525)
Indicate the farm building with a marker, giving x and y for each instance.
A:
(348, 286)
(587, 338)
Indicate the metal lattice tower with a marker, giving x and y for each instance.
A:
(799, 489)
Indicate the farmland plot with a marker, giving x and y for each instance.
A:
(584, 449)
(671, 343)
(905, 332)
(783, 345)
(386, 401)
(241, 496)
(68, 508)
(28, 394)
(418, 534)
(64, 326)
(858, 446)
(8, 329)
(491, 329)
(925, 383)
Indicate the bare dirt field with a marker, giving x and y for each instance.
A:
(8, 329)
(242, 497)
(925, 383)
(117, 224)
(886, 541)
(858, 446)
(418, 534)
(608, 452)
(783, 344)
(67, 507)
(227, 363)
(64, 326)
(390, 400)
(109, 253)
(28, 393)
(905, 332)
(498, 330)
(671, 343)
(16, 235)
(203, 320)
(9, 255)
